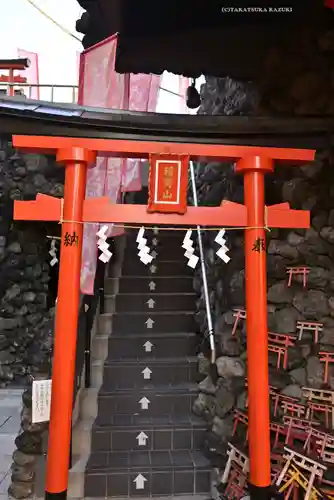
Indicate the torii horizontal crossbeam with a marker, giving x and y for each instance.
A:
(141, 149)
(229, 214)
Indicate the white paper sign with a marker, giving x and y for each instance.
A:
(192, 262)
(41, 400)
(222, 254)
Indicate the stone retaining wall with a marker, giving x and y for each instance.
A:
(26, 319)
(25, 333)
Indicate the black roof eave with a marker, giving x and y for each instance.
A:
(30, 117)
(192, 38)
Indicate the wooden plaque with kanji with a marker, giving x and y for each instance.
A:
(168, 182)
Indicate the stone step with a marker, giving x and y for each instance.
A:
(135, 302)
(143, 284)
(146, 344)
(148, 402)
(178, 433)
(158, 267)
(146, 322)
(163, 473)
(147, 373)
(150, 345)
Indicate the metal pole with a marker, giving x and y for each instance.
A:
(89, 319)
(204, 277)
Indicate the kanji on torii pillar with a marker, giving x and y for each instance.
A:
(76, 154)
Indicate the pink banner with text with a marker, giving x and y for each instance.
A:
(183, 85)
(143, 96)
(78, 54)
(101, 86)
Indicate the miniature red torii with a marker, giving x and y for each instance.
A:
(240, 315)
(253, 162)
(11, 66)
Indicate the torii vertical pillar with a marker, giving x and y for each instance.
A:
(254, 169)
(75, 161)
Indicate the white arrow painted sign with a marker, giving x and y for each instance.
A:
(144, 402)
(153, 269)
(148, 346)
(140, 482)
(149, 323)
(155, 242)
(150, 303)
(147, 373)
(142, 438)
(152, 286)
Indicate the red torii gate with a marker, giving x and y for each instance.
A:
(77, 154)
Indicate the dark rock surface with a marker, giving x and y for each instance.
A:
(306, 187)
(25, 332)
(26, 299)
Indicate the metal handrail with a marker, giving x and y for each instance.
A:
(203, 269)
(31, 86)
(56, 85)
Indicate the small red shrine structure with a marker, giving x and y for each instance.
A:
(12, 65)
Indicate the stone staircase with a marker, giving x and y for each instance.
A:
(144, 440)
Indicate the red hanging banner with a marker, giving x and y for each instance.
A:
(168, 182)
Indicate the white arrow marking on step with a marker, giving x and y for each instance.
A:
(147, 373)
(148, 346)
(140, 482)
(149, 323)
(142, 438)
(153, 269)
(152, 286)
(154, 254)
(155, 230)
(155, 242)
(150, 303)
(144, 402)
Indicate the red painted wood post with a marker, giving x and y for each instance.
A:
(76, 161)
(11, 80)
(254, 169)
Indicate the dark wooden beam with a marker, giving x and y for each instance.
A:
(25, 117)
